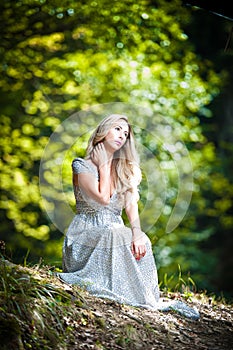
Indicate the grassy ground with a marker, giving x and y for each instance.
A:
(38, 311)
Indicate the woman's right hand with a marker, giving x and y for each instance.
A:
(99, 155)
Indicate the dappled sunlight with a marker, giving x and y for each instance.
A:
(63, 67)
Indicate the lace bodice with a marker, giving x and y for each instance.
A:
(87, 206)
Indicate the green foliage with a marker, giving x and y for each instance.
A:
(30, 309)
(179, 283)
(59, 59)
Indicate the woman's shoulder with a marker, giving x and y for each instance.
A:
(78, 160)
(80, 165)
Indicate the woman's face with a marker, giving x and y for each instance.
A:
(117, 135)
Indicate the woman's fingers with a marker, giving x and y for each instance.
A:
(99, 155)
(138, 251)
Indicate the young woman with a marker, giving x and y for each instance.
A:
(100, 253)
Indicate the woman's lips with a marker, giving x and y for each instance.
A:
(118, 143)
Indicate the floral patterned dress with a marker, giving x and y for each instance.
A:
(97, 254)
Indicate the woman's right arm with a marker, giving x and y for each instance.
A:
(97, 190)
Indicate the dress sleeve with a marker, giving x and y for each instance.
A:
(79, 165)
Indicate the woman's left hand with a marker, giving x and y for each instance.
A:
(138, 247)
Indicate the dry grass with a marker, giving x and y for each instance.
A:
(38, 311)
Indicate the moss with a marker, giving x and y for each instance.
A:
(10, 332)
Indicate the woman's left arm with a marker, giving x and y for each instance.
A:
(138, 246)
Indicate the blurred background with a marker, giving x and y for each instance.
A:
(173, 58)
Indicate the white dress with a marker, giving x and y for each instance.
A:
(97, 254)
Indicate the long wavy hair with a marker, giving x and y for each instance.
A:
(126, 171)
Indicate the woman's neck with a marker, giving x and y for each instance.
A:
(110, 158)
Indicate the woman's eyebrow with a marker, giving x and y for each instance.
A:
(119, 126)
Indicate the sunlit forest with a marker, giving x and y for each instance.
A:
(168, 67)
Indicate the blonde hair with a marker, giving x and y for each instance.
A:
(125, 164)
